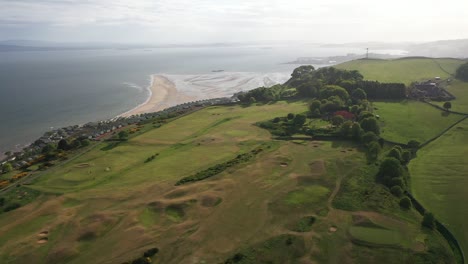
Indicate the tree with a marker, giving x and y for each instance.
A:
(428, 220)
(347, 129)
(334, 90)
(290, 116)
(63, 145)
(406, 156)
(369, 137)
(359, 94)
(252, 100)
(373, 151)
(123, 135)
(370, 124)
(395, 153)
(8, 153)
(48, 148)
(7, 167)
(357, 132)
(405, 203)
(397, 191)
(299, 120)
(337, 120)
(447, 105)
(390, 168)
(462, 72)
(414, 144)
(314, 105)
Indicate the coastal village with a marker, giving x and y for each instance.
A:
(97, 131)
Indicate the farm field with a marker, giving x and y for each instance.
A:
(109, 205)
(439, 180)
(460, 90)
(404, 70)
(408, 120)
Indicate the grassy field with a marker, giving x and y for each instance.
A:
(407, 120)
(460, 90)
(405, 70)
(439, 180)
(109, 206)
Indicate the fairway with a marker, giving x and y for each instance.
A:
(440, 180)
(411, 120)
(405, 70)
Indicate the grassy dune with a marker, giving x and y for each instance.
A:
(440, 180)
(407, 120)
(405, 70)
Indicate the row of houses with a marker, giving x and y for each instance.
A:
(97, 130)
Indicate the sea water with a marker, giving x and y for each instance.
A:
(43, 90)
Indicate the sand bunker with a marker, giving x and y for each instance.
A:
(283, 164)
(332, 229)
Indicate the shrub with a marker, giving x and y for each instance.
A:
(428, 220)
(405, 203)
(397, 191)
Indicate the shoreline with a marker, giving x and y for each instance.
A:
(163, 94)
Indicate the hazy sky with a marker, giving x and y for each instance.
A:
(201, 21)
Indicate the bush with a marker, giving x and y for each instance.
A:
(11, 207)
(290, 116)
(462, 72)
(405, 203)
(397, 191)
(428, 220)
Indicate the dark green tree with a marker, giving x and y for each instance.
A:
(395, 153)
(447, 105)
(369, 137)
(334, 90)
(337, 120)
(405, 203)
(389, 169)
(290, 116)
(359, 94)
(299, 120)
(462, 72)
(63, 145)
(370, 124)
(428, 220)
(397, 191)
(314, 105)
(123, 135)
(414, 144)
(373, 151)
(357, 132)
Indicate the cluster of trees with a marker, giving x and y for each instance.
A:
(377, 90)
(285, 126)
(7, 167)
(392, 174)
(462, 72)
(151, 158)
(310, 82)
(264, 94)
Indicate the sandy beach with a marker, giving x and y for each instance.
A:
(170, 90)
(163, 94)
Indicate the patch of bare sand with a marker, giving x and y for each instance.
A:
(164, 94)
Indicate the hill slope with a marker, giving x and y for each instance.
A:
(405, 70)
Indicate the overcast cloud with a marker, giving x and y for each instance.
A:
(201, 21)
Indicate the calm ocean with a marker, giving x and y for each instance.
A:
(51, 89)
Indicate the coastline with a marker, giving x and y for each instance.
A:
(163, 94)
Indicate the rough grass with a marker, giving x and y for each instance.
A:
(440, 180)
(306, 195)
(407, 120)
(118, 206)
(405, 70)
